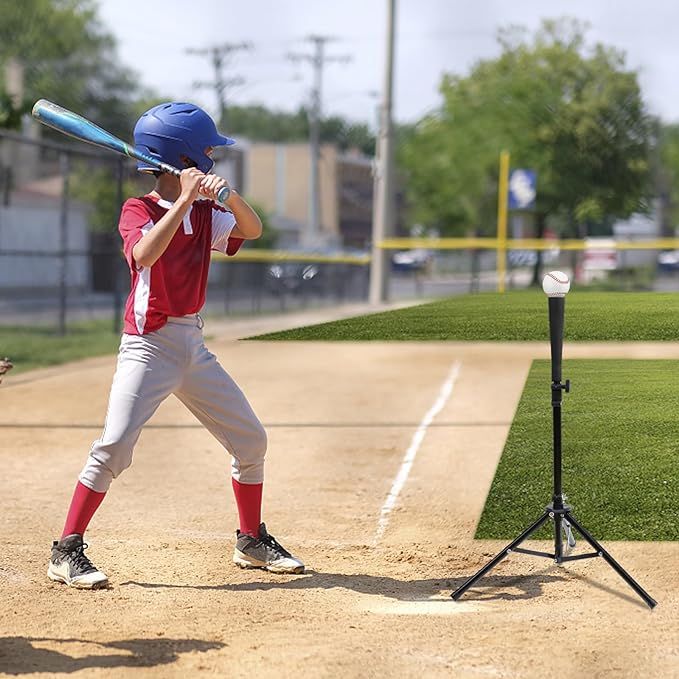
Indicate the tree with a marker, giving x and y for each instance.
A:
(571, 112)
(267, 241)
(261, 124)
(97, 185)
(10, 112)
(70, 58)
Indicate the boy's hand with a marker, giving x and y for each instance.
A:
(190, 180)
(211, 185)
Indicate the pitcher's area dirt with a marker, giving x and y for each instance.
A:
(340, 419)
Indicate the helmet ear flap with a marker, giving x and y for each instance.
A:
(187, 162)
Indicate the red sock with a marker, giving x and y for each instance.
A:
(249, 502)
(83, 506)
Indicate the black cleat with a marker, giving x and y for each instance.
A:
(264, 552)
(69, 564)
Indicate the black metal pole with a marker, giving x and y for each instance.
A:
(65, 167)
(115, 252)
(556, 423)
(556, 316)
(556, 323)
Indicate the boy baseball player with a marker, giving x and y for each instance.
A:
(168, 236)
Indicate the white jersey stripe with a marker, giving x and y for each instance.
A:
(222, 225)
(142, 291)
(188, 228)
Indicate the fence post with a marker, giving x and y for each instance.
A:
(65, 167)
(117, 295)
(502, 196)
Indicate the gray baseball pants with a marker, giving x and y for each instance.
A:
(174, 360)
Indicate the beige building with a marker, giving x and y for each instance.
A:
(278, 177)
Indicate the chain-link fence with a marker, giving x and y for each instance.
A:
(58, 212)
(60, 252)
(439, 267)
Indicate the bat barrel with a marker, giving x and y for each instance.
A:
(74, 125)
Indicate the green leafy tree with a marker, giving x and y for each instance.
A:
(269, 237)
(261, 124)
(572, 112)
(10, 112)
(69, 57)
(98, 187)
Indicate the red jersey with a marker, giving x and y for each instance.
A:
(175, 285)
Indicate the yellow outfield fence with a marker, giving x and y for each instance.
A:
(253, 255)
(527, 244)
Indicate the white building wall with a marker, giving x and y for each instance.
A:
(36, 230)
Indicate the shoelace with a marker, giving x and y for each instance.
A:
(79, 560)
(271, 541)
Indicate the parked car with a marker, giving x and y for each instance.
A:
(290, 276)
(668, 261)
(411, 260)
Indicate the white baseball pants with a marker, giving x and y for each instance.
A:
(174, 360)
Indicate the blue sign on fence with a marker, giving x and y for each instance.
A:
(522, 189)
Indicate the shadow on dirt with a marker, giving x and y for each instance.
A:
(28, 655)
(491, 587)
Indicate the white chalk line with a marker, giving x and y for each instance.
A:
(411, 453)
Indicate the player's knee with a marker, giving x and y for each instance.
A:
(260, 441)
(257, 449)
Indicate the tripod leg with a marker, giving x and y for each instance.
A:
(496, 560)
(614, 564)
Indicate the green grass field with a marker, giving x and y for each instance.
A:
(514, 316)
(37, 347)
(620, 472)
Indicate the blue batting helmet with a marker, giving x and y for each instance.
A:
(175, 131)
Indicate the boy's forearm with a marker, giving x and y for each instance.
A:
(152, 245)
(248, 223)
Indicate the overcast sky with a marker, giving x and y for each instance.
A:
(433, 37)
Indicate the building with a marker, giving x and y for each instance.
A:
(277, 177)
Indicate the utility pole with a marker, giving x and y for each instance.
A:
(220, 56)
(383, 192)
(318, 60)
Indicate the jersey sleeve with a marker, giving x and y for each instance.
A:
(223, 222)
(135, 221)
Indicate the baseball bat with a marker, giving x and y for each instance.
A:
(74, 125)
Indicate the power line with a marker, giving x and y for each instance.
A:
(220, 56)
(318, 59)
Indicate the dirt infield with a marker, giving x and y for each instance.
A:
(342, 422)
